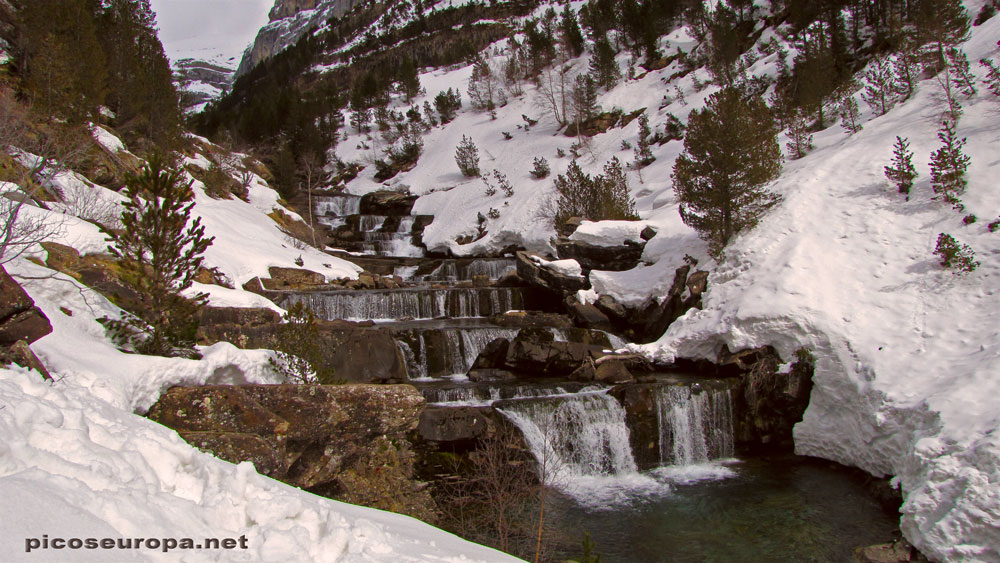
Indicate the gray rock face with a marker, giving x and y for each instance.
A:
(546, 278)
(200, 82)
(290, 20)
(594, 257)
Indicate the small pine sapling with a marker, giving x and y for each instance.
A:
(993, 226)
(849, 115)
(955, 255)
(992, 79)
(948, 166)
(958, 65)
(429, 114)
(969, 219)
(467, 157)
(541, 168)
(901, 173)
(643, 154)
(298, 351)
(493, 213)
(799, 137)
(879, 86)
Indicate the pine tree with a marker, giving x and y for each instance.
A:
(849, 115)
(409, 81)
(429, 114)
(584, 100)
(643, 154)
(879, 85)
(906, 69)
(159, 250)
(958, 66)
(603, 67)
(483, 86)
(955, 255)
(799, 137)
(992, 79)
(942, 22)
(572, 37)
(730, 152)
(467, 157)
(448, 104)
(901, 173)
(541, 167)
(948, 165)
(605, 196)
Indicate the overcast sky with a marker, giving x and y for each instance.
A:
(209, 28)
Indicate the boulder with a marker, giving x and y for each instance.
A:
(365, 356)
(385, 202)
(896, 552)
(455, 425)
(292, 278)
(586, 372)
(493, 355)
(535, 352)
(490, 375)
(613, 372)
(614, 258)
(548, 278)
(522, 319)
(20, 320)
(587, 315)
(304, 435)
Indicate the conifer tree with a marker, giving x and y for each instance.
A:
(159, 250)
(409, 81)
(901, 172)
(948, 165)
(429, 114)
(799, 137)
(483, 86)
(849, 116)
(992, 79)
(467, 157)
(603, 66)
(572, 37)
(943, 23)
(906, 69)
(879, 85)
(448, 104)
(958, 65)
(584, 100)
(643, 154)
(730, 153)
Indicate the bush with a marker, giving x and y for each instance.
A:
(955, 255)
(993, 226)
(447, 104)
(298, 352)
(541, 169)
(467, 157)
(605, 196)
(969, 219)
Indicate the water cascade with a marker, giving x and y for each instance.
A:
(394, 304)
(696, 425)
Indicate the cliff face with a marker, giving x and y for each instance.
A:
(290, 20)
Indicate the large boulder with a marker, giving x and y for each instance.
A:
(590, 256)
(560, 277)
(535, 351)
(317, 437)
(458, 427)
(20, 320)
(387, 203)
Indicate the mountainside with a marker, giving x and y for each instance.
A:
(844, 266)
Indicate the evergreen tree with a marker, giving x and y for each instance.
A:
(584, 100)
(943, 23)
(483, 86)
(902, 173)
(572, 37)
(958, 66)
(64, 64)
(955, 254)
(643, 154)
(467, 157)
(849, 115)
(730, 152)
(906, 69)
(879, 85)
(409, 81)
(159, 250)
(948, 165)
(603, 66)
(541, 167)
(992, 79)
(605, 196)
(447, 104)
(799, 137)
(429, 113)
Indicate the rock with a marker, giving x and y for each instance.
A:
(614, 310)
(304, 435)
(522, 319)
(455, 424)
(586, 372)
(21, 354)
(20, 320)
(570, 226)
(481, 281)
(510, 279)
(365, 356)
(535, 352)
(292, 278)
(641, 417)
(235, 324)
(490, 375)
(587, 315)
(387, 203)
(547, 278)
(613, 372)
(647, 233)
(895, 552)
(492, 356)
(593, 257)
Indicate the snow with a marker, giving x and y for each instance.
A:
(215, 31)
(107, 139)
(608, 233)
(568, 267)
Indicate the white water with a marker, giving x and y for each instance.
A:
(419, 304)
(461, 347)
(337, 205)
(695, 427)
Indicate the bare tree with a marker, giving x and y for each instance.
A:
(554, 88)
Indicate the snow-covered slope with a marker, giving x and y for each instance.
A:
(907, 352)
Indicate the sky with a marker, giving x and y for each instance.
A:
(209, 29)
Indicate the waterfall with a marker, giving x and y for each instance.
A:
(482, 395)
(415, 369)
(368, 223)
(439, 352)
(580, 435)
(451, 270)
(475, 340)
(337, 205)
(408, 303)
(695, 425)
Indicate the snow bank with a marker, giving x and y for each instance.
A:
(568, 267)
(608, 233)
(76, 462)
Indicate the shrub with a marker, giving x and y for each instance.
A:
(467, 157)
(298, 352)
(969, 219)
(955, 255)
(993, 226)
(541, 168)
(605, 196)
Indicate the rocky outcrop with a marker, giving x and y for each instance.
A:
(286, 8)
(594, 257)
(456, 427)
(388, 203)
(20, 320)
(317, 437)
(537, 273)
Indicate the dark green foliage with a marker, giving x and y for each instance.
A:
(879, 86)
(942, 22)
(993, 226)
(958, 66)
(992, 79)
(484, 87)
(603, 67)
(467, 157)
(541, 168)
(605, 196)
(409, 82)
(730, 152)
(572, 37)
(988, 11)
(64, 65)
(955, 255)
(969, 219)
(584, 99)
(849, 115)
(901, 173)
(643, 154)
(298, 349)
(948, 165)
(159, 249)
(799, 137)
(447, 104)
(726, 44)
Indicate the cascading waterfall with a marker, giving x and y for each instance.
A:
(580, 435)
(696, 426)
(337, 205)
(480, 395)
(456, 350)
(408, 303)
